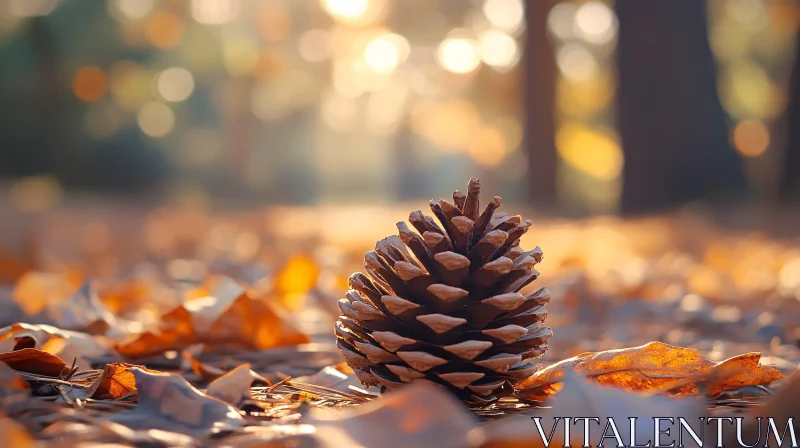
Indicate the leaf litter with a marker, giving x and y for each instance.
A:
(225, 344)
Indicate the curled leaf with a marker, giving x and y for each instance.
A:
(168, 402)
(234, 386)
(653, 367)
(35, 361)
(63, 343)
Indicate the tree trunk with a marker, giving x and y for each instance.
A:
(672, 126)
(539, 88)
(790, 168)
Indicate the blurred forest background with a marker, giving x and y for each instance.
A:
(583, 107)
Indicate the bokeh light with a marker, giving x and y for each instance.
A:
(131, 9)
(488, 147)
(129, 84)
(175, 84)
(384, 53)
(164, 29)
(215, 12)
(240, 54)
(347, 10)
(458, 55)
(30, 8)
(576, 62)
(498, 49)
(560, 20)
(751, 138)
(591, 152)
(506, 15)
(90, 84)
(155, 119)
(595, 22)
(315, 45)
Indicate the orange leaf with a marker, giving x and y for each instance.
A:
(653, 367)
(35, 361)
(14, 434)
(35, 290)
(297, 277)
(223, 314)
(116, 381)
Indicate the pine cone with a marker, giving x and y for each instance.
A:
(450, 313)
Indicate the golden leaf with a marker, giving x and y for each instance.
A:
(34, 291)
(221, 314)
(116, 381)
(297, 277)
(582, 398)
(653, 367)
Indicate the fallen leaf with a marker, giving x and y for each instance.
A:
(221, 314)
(581, 398)
(12, 434)
(81, 311)
(654, 366)
(36, 290)
(295, 279)
(418, 415)
(65, 344)
(168, 402)
(205, 371)
(116, 381)
(35, 361)
(781, 407)
(234, 386)
(11, 384)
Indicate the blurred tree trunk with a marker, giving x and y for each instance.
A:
(671, 123)
(539, 97)
(790, 168)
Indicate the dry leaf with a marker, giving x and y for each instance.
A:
(295, 279)
(234, 386)
(12, 434)
(168, 402)
(583, 399)
(35, 361)
(653, 367)
(81, 311)
(222, 314)
(418, 415)
(35, 290)
(116, 381)
(205, 371)
(781, 407)
(65, 344)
